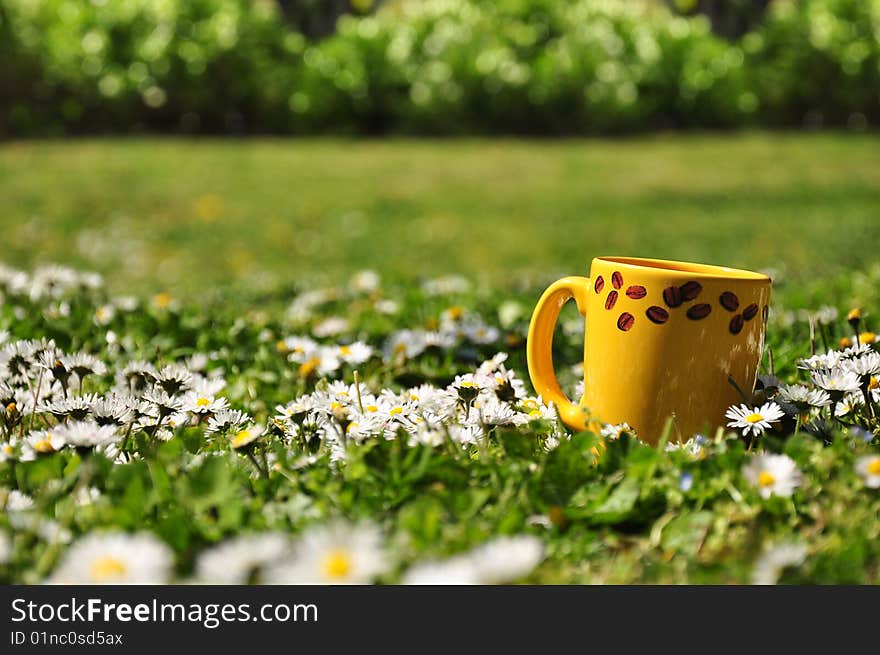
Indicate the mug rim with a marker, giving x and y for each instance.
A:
(685, 269)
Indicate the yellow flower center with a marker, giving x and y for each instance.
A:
(345, 350)
(281, 347)
(7, 449)
(44, 445)
(11, 407)
(456, 312)
(414, 397)
(241, 439)
(372, 408)
(400, 348)
(308, 367)
(395, 411)
(874, 383)
(107, 568)
(867, 337)
(874, 466)
(162, 300)
(203, 402)
(845, 342)
(754, 418)
(535, 413)
(766, 479)
(337, 564)
(467, 385)
(351, 426)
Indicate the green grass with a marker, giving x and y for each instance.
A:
(315, 210)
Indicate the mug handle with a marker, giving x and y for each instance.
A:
(539, 346)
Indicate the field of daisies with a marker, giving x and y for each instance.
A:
(379, 433)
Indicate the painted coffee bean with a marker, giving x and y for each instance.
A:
(672, 297)
(765, 313)
(736, 324)
(611, 299)
(599, 285)
(636, 292)
(690, 290)
(616, 279)
(700, 311)
(625, 321)
(729, 301)
(750, 312)
(657, 314)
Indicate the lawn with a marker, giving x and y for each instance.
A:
(184, 425)
(188, 215)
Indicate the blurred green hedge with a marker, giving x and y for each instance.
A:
(431, 66)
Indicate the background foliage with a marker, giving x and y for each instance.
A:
(431, 66)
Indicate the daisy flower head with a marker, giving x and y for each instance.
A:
(864, 366)
(245, 437)
(770, 566)
(499, 561)
(355, 353)
(338, 553)
(868, 468)
(753, 420)
(40, 442)
(331, 326)
(241, 559)
(837, 381)
(115, 558)
(803, 397)
(773, 475)
(87, 434)
(614, 432)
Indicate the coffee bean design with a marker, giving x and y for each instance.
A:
(736, 324)
(636, 292)
(690, 290)
(657, 314)
(672, 297)
(729, 301)
(698, 312)
(625, 321)
(750, 312)
(611, 299)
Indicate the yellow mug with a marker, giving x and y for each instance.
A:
(663, 339)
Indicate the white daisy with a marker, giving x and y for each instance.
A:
(115, 558)
(773, 475)
(614, 432)
(754, 420)
(868, 467)
(499, 561)
(8, 449)
(366, 282)
(246, 436)
(837, 381)
(506, 559)
(87, 434)
(803, 396)
(338, 553)
(242, 559)
(355, 353)
(197, 403)
(331, 326)
(40, 442)
(17, 501)
(864, 366)
(773, 562)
